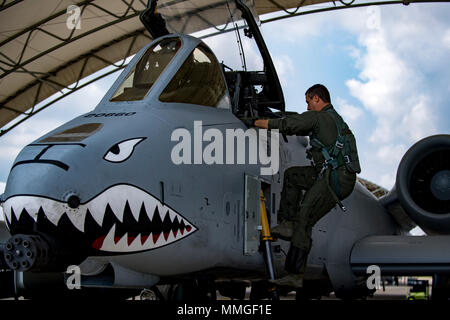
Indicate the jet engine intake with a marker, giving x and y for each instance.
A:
(423, 184)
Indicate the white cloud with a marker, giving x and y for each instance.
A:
(446, 39)
(356, 54)
(226, 48)
(293, 30)
(13, 142)
(391, 154)
(392, 83)
(420, 121)
(387, 180)
(252, 56)
(285, 68)
(384, 78)
(349, 112)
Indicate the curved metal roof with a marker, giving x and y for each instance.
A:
(42, 51)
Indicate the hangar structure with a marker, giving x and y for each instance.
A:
(50, 49)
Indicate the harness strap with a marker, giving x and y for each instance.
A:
(333, 193)
(332, 159)
(335, 180)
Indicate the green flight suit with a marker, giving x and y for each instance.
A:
(318, 199)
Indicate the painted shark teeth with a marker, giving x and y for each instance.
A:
(126, 243)
(123, 218)
(32, 205)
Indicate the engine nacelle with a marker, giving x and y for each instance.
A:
(423, 184)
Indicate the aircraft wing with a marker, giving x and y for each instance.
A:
(402, 255)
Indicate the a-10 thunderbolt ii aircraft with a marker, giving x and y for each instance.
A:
(149, 191)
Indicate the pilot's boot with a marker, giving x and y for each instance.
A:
(295, 263)
(283, 230)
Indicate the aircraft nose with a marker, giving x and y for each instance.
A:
(44, 169)
(45, 154)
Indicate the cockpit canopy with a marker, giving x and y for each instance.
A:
(198, 81)
(147, 70)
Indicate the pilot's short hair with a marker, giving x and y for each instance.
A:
(321, 91)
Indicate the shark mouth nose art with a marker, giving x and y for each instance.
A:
(121, 219)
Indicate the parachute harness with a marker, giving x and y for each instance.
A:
(335, 156)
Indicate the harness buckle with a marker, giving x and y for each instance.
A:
(324, 168)
(339, 145)
(331, 162)
(347, 159)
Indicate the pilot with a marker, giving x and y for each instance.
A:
(310, 192)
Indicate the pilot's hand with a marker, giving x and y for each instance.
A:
(249, 122)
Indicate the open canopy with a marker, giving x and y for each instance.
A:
(45, 48)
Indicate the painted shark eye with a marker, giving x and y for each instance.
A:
(122, 150)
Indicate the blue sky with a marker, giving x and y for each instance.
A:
(387, 69)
